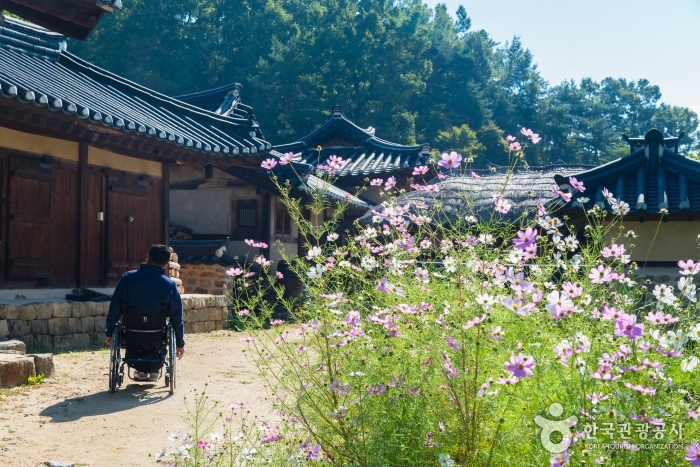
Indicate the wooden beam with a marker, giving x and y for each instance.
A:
(82, 213)
(166, 204)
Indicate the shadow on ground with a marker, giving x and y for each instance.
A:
(104, 403)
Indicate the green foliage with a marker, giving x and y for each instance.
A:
(461, 139)
(32, 380)
(413, 334)
(395, 65)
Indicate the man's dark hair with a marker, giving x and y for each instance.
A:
(159, 255)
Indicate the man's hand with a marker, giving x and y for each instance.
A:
(180, 352)
(108, 340)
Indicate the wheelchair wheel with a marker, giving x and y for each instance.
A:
(172, 361)
(115, 359)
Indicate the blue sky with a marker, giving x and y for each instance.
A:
(631, 39)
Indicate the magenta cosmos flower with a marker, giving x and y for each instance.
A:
(450, 161)
(627, 325)
(520, 365)
(692, 454)
(525, 238)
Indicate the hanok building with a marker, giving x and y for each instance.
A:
(85, 162)
(226, 206)
(367, 155)
(72, 18)
(462, 196)
(662, 189)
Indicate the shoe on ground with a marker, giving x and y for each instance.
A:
(141, 376)
(154, 376)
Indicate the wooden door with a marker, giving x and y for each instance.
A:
(134, 221)
(29, 219)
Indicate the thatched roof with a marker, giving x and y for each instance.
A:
(461, 196)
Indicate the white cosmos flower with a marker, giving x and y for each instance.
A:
(333, 237)
(422, 275)
(690, 363)
(216, 437)
(688, 289)
(369, 263)
(694, 332)
(664, 294)
(470, 219)
(316, 272)
(449, 263)
(313, 252)
(174, 436)
(344, 264)
(160, 454)
(673, 340)
(485, 299)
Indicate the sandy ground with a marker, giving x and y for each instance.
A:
(74, 418)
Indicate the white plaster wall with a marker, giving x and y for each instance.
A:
(676, 240)
(207, 210)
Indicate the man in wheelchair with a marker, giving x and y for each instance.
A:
(142, 300)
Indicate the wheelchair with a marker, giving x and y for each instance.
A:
(138, 335)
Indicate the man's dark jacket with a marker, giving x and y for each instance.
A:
(147, 291)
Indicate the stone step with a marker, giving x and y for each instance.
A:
(13, 346)
(15, 369)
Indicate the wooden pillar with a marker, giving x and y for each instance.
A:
(265, 223)
(166, 203)
(82, 212)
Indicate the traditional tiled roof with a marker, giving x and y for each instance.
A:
(652, 177)
(364, 152)
(74, 18)
(36, 70)
(461, 196)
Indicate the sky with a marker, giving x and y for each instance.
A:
(572, 39)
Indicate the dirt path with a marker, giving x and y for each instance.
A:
(73, 418)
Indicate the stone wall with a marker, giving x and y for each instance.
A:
(204, 278)
(205, 313)
(63, 325)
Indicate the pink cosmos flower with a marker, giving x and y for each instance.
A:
(692, 415)
(627, 325)
(604, 376)
(203, 445)
(450, 161)
(449, 370)
(234, 272)
(473, 322)
(576, 184)
(502, 206)
(420, 170)
(660, 318)
(641, 389)
(561, 459)
(529, 134)
(243, 312)
(566, 197)
(525, 238)
(286, 158)
(520, 365)
(376, 390)
(376, 182)
(600, 275)
(690, 267)
(268, 164)
(271, 437)
(475, 175)
(279, 275)
(510, 138)
(390, 183)
(572, 290)
(512, 379)
(276, 322)
(452, 342)
(353, 319)
(692, 454)
(514, 146)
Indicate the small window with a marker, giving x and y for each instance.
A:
(247, 215)
(283, 222)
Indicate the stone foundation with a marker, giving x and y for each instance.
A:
(16, 367)
(205, 313)
(204, 278)
(63, 325)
